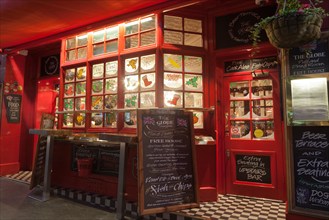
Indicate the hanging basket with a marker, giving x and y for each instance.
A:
(293, 30)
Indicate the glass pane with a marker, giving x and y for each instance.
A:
(193, 100)
(240, 129)
(173, 81)
(70, 55)
(98, 36)
(131, 100)
(98, 49)
(112, 33)
(173, 22)
(173, 37)
(173, 99)
(239, 109)
(80, 120)
(193, 64)
(193, 40)
(147, 99)
(80, 104)
(262, 109)
(193, 82)
(67, 120)
(111, 68)
(82, 53)
(111, 101)
(81, 73)
(148, 38)
(262, 88)
(98, 71)
(148, 23)
(82, 40)
(97, 86)
(96, 120)
(130, 119)
(172, 62)
(263, 129)
(69, 75)
(131, 27)
(111, 119)
(198, 119)
(148, 63)
(131, 83)
(239, 90)
(111, 46)
(147, 81)
(192, 25)
(131, 65)
(111, 85)
(80, 89)
(68, 89)
(131, 42)
(97, 102)
(70, 43)
(68, 104)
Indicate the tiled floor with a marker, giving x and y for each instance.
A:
(227, 206)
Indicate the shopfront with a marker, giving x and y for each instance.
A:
(94, 79)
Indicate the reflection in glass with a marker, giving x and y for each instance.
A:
(193, 40)
(70, 55)
(131, 27)
(111, 46)
(239, 109)
(148, 38)
(239, 90)
(82, 52)
(148, 23)
(98, 49)
(261, 88)
(98, 36)
(262, 108)
(192, 25)
(70, 43)
(240, 129)
(173, 37)
(173, 22)
(112, 33)
(82, 40)
(131, 42)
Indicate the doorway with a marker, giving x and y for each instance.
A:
(254, 150)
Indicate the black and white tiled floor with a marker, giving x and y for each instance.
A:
(227, 206)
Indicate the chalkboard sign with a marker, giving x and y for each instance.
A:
(166, 167)
(79, 151)
(250, 65)
(311, 167)
(253, 168)
(13, 107)
(310, 60)
(47, 122)
(108, 161)
(234, 29)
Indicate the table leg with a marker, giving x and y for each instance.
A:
(48, 166)
(121, 182)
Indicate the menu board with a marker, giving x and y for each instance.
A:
(311, 167)
(310, 60)
(253, 168)
(13, 107)
(167, 171)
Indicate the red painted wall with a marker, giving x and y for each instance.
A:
(11, 132)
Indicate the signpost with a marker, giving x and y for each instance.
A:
(167, 179)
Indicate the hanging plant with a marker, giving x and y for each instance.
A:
(294, 24)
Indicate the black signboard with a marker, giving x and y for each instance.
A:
(167, 170)
(310, 59)
(13, 107)
(50, 65)
(311, 167)
(234, 29)
(79, 151)
(253, 168)
(108, 161)
(250, 65)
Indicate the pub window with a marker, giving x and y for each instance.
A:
(105, 40)
(139, 86)
(183, 31)
(76, 47)
(140, 32)
(183, 84)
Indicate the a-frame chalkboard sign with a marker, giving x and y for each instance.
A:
(167, 178)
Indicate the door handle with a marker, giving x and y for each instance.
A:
(226, 123)
(228, 153)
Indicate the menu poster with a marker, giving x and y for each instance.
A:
(253, 168)
(310, 99)
(311, 167)
(13, 107)
(167, 171)
(310, 60)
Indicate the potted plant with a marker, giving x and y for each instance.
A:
(294, 24)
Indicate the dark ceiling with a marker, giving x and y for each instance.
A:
(23, 21)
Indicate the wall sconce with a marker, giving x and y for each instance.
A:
(23, 52)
